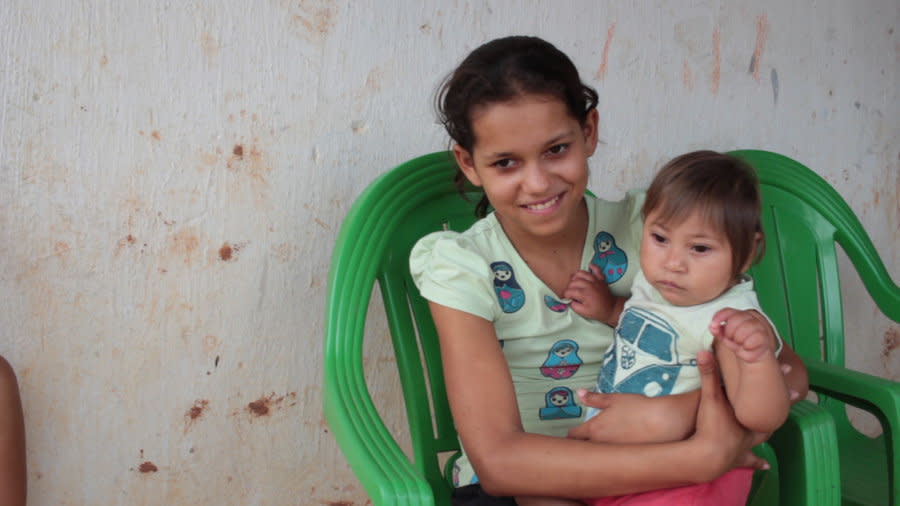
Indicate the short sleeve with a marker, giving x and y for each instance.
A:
(448, 270)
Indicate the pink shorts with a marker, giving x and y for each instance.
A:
(729, 489)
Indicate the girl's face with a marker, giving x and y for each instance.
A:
(688, 262)
(530, 157)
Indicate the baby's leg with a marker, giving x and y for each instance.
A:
(13, 478)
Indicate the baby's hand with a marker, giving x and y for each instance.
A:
(590, 294)
(744, 333)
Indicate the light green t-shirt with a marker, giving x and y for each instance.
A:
(550, 350)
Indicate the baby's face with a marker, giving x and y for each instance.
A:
(688, 262)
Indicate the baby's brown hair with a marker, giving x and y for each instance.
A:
(723, 188)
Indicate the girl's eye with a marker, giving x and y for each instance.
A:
(658, 238)
(700, 248)
(558, 149)
(505, 163)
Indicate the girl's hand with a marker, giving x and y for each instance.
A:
(634, 418)
(718, 431)
(590, 295)
(748, 336)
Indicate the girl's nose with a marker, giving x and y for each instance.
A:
(536, 178)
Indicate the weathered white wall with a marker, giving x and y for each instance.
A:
(173, 175)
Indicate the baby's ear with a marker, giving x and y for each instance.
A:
(756, 252)
(466, 164)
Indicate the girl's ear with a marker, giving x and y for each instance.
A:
(466, 164)
(590, 131)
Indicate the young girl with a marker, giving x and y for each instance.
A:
(702, 231)
(514, 353)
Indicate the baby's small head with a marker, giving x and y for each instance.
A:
(723, 189)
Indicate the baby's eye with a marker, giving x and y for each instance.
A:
(700, 248)
(558, 149)
(658, 238)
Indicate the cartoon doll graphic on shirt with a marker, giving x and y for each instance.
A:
(609, 257)
(560, 403)
(562, 360)
(557, 306)
(509, 294)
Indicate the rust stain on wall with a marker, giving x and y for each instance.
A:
(229, 252)
(210, 343)
(891, 341)
(194, 413)
(148, 467)
(265, 405)
(225, 252)
(61, 249)
(283, 252)
(316, 20)
(128, 240)
(184, 244)
(210, 46)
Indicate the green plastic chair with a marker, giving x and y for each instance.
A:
(797, 280)
(372, 247)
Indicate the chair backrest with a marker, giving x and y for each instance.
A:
(379, 231)
(798, 284)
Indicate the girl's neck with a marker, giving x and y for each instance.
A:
(571, 238)
(554, 258)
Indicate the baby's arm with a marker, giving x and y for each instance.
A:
(591, 297)
(751, 372)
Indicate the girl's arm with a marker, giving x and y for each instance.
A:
(509, 461)
(13, 479)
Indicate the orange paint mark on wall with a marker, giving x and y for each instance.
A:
(717, 61)
(762, 32)
(604, 61)
(687, 77)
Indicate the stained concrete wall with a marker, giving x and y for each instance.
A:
(173, 175)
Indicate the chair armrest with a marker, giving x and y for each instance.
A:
(807, 450)
(878, 396)
(374, 455)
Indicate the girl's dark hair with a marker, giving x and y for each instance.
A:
(500, 71)
(724, 189)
